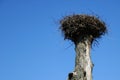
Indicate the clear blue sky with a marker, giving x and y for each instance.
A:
(32, 47)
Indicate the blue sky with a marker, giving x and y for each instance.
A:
(32, 46)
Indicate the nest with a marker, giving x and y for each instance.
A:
(75, 27)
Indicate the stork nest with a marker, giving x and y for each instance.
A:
(75, 27)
